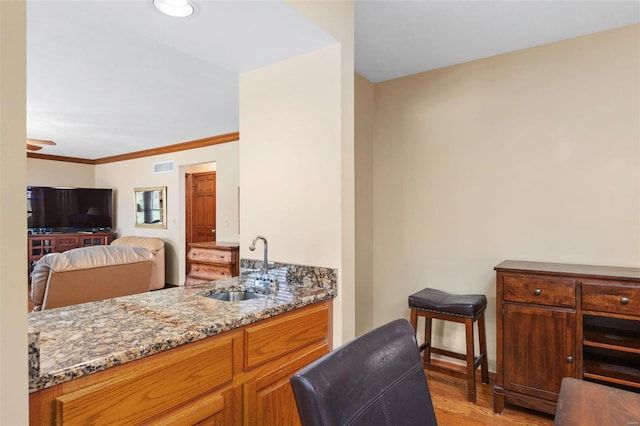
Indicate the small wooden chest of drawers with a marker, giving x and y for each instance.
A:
(212, 261)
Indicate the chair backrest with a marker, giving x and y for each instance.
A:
(376, 379)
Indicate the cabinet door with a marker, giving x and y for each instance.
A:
(539, 349)
(269, 399)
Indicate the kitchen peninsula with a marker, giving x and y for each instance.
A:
(177, 355)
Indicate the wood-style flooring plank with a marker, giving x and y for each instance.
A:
(449, 397)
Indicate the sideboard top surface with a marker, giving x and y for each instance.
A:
(594, 271)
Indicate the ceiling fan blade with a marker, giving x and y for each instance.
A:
(31, 147)
(40, 142)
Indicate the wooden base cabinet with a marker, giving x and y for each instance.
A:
(547, 329)
(240, 377)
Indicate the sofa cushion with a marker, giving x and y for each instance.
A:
(150, 243)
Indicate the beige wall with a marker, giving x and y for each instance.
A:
(59, 173)
(364, 132)
(290, 159)
(337, 18)
(13, 221)
(302, 110)
(533, 155)
(123, 176)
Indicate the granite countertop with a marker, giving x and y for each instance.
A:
(71, 342)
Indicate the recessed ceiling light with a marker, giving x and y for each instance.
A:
(177, 8)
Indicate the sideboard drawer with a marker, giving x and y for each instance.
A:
(211, 255)
(540, 291)
(609, 297)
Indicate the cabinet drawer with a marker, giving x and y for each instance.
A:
(609, 297)
(279, 336)
(68, 241)
(156, 387)
(212, 272)
(540, 291)
(211, 255)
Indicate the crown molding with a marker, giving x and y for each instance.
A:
(184, 146)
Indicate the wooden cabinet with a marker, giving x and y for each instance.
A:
(238, 377)
(40, 244)
(558, 320)
(275, 351)
(212, 261)
(611, 332)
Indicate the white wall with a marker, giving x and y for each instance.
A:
(13, 221)
(533, 155)
(124, 176)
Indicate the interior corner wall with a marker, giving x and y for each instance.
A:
(364, 130)
(59, 173)
(124, 176)
(532, 155)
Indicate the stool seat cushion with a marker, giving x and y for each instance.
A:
(461, 305)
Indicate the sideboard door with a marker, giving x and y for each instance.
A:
(539, 349)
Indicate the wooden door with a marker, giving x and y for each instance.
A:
(539, 349)
(201, 207)
(200, 193)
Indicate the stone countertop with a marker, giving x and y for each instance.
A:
(82, 339)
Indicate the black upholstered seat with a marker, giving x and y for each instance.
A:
(464, 305)
(376, 379)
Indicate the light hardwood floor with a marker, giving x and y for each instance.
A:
(449, 398)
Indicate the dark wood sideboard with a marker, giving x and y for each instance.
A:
(40, 244)
(562, 320)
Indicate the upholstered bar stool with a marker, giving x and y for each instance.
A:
(469, 308)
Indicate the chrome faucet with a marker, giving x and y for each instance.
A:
(264, 280)
(252, 247)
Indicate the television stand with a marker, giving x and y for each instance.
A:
(40, 244)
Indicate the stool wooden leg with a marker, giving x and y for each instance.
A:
(471, 376)
(482, 336)
(426, 356)
(414, 320)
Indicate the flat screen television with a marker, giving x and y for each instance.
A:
(64, 209)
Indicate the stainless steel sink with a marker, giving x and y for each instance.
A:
(235, 296)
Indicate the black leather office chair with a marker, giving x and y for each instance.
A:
(376, 379)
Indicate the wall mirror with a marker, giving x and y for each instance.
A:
(151, 207)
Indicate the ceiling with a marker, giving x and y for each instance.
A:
(111, 77)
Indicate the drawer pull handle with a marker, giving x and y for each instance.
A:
(569, 359)
(537, 292)
(624, 300)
